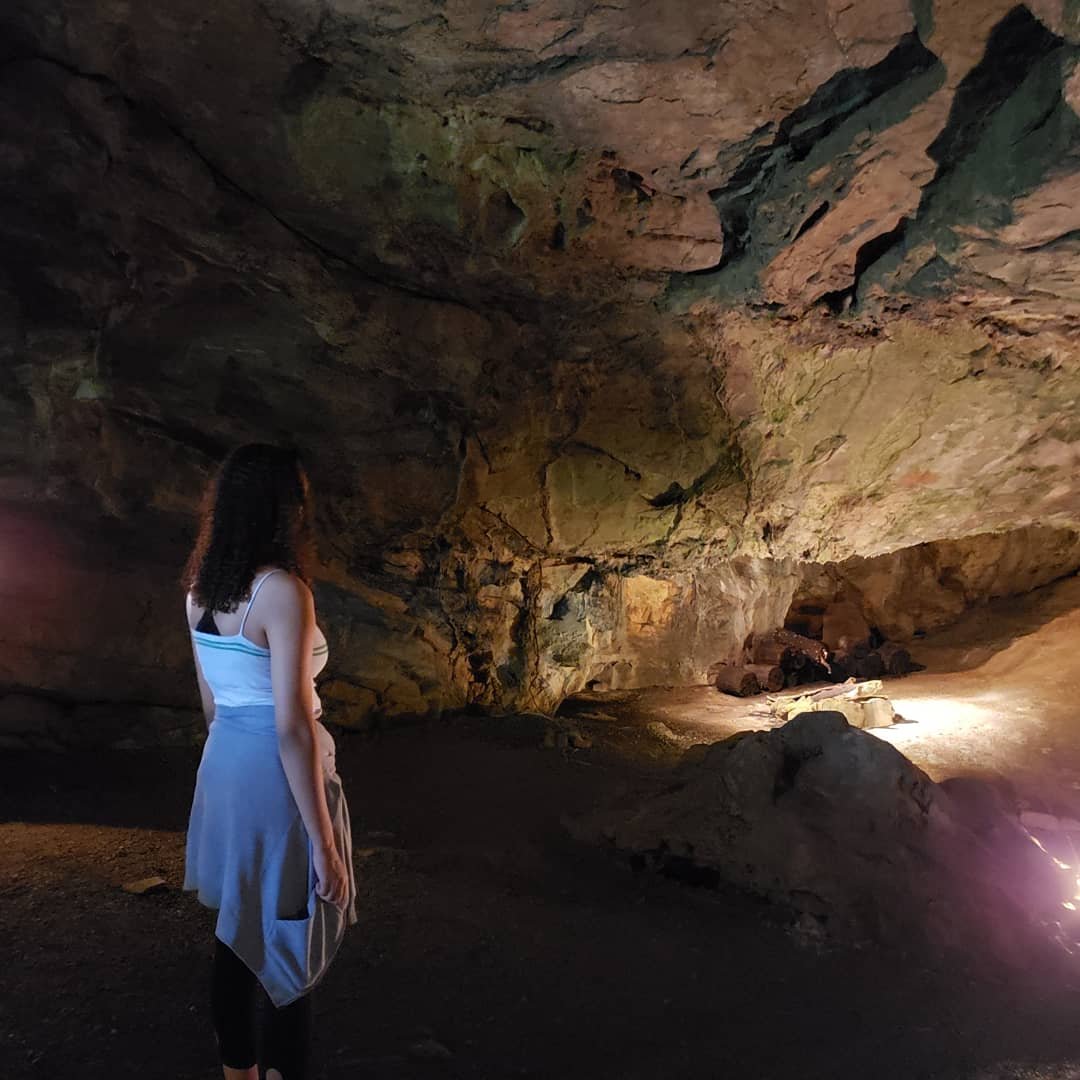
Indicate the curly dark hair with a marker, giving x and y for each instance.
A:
(256, 512)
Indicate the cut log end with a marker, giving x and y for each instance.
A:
(770, 676)
(738, 681)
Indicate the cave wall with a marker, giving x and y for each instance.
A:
(573, 311)
(923, 588)
(619, 631)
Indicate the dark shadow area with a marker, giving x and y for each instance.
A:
(139, 789)
(483, 927)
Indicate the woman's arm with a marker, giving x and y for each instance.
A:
(289, 621)
(205, 695)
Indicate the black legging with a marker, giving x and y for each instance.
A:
(286, 1032)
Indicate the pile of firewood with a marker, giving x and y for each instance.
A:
(785, 658)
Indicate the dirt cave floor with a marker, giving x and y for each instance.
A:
(491, 946)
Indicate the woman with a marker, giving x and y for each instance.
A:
(268, 842)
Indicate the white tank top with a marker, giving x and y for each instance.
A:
(238, 671)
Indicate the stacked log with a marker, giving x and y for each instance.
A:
(815, 672)
(896, 658)
(849, 665)
(785, 658)
(785, 649)
(891, 659)
(767, 650)
(770, 676)
(807, 648)
(735, 679)
(871, 666)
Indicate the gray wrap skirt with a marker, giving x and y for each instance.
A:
(249, 856)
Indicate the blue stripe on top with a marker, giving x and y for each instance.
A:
(232, 641)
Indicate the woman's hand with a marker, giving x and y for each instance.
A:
(331, 878)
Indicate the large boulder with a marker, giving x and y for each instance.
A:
(839, 826)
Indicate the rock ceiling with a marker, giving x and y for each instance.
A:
(569, 303)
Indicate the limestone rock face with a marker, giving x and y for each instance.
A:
(592, 320)
(923, 588)
(841, 828)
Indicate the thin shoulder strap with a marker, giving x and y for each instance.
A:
(255, 592)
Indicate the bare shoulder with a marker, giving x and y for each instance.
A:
(285, 593)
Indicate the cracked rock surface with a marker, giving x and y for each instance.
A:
(595, 321)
